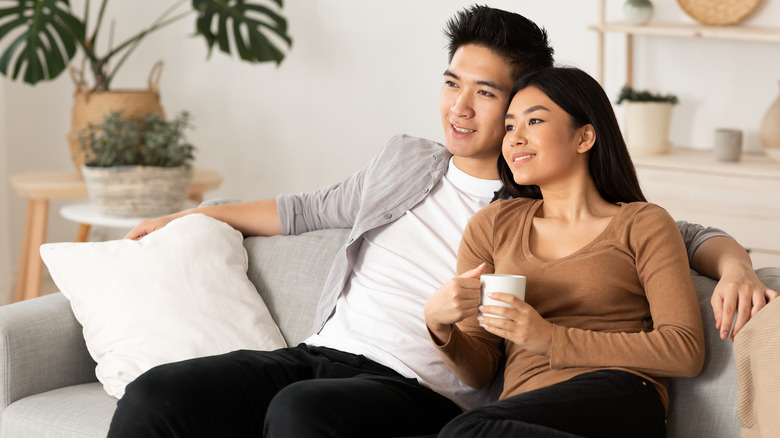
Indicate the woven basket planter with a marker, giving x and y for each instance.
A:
(137, 191)
(90, 108)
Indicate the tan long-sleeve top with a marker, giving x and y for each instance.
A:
(624, 301)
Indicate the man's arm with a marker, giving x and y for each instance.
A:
(739, 291)
(256, 218)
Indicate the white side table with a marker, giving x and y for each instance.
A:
(85, 214)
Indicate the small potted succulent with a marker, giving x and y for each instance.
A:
(648, 116)
(137, 167)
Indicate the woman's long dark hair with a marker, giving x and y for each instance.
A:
(584, 100)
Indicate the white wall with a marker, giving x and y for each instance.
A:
(359, 72)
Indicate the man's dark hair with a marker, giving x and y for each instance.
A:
(584, 100)
(517, 39)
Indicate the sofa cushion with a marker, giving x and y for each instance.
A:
(289, 273)
(78, 411)
(178, 293)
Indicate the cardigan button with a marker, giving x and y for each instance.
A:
(388, 215)
(425, 192)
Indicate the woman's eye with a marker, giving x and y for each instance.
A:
(534, 121)
(509, 128)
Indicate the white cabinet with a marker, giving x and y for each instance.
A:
(741, 198)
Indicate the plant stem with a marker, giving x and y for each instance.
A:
(136, 39)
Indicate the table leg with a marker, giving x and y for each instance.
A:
(28, 284)
(21, 275)
(83, 233)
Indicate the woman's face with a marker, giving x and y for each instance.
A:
(541, 145)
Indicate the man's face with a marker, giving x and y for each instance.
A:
(473, 103)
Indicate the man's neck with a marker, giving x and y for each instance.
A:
(483, 168)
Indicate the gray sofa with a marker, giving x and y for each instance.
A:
(47, 378)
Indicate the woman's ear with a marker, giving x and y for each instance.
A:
(587, 138)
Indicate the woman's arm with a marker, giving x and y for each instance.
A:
(469, 351)
(675, 344)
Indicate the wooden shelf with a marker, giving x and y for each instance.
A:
(732, 33)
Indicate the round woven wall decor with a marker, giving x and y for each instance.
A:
(718, 12)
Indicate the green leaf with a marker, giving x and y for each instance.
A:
(49, 35)
(248, 23)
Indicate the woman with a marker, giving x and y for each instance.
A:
(610, 308)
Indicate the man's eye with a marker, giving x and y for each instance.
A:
(450, 84)
(486, 93)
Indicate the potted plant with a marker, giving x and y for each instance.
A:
(648, 116)
(40, 38)
(138, 167)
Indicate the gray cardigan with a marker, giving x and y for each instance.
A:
(397, 179)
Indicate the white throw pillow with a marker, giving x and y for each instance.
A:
(178, 293)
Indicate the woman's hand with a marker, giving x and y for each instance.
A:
(455, 301)
(523, 324)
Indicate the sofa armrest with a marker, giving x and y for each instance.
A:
(41, 348)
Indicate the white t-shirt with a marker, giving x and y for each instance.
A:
(380, 312)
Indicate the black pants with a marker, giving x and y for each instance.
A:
(606, 403)
(294, 392)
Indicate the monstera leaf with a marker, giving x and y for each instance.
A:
(47, 42)
(40, 37)
(246, 21)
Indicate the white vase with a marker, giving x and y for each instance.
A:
(637, 11)
(647, 127)
(770, 131)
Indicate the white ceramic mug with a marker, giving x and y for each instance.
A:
(508, 284)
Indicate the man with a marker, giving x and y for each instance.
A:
(370, 368)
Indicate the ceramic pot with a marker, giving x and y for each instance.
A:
(770, 131)
(647, 127)
(637, 11)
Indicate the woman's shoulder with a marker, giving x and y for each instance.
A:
(507, 206)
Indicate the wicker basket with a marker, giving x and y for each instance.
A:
(718, 12)
(137, 191)
(89, 107)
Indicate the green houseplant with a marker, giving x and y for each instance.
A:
(39, 39)
(648, 117)
(45, 35)
(137, 167)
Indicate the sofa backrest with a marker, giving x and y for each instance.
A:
(289, 272)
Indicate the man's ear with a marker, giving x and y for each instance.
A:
(587, 138)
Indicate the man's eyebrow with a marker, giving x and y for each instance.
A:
(484, 83)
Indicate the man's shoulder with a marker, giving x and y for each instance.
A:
(414, 147)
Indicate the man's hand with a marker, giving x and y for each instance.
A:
(520, 324)
(148, 225)
(456, 300)
(738, 292)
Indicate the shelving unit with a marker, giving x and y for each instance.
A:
(741, 198)
(731, 33)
